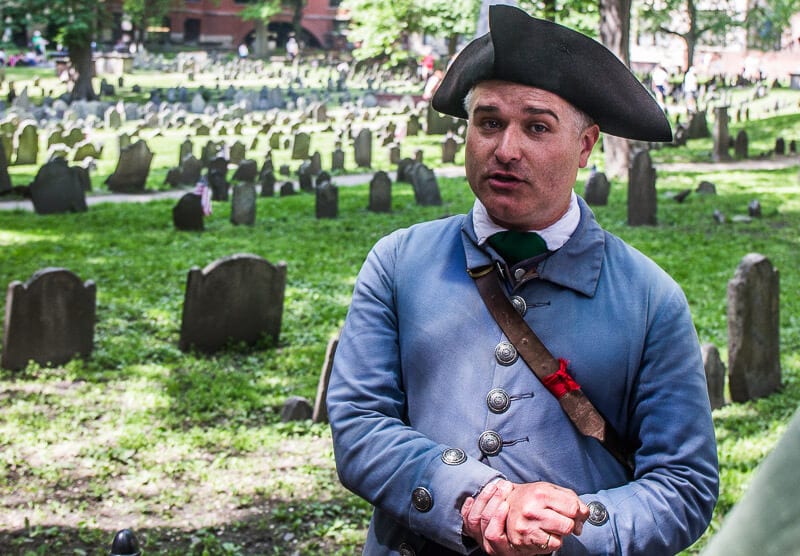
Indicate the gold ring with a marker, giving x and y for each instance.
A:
(546, 543)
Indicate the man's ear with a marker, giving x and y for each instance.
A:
(588, 140)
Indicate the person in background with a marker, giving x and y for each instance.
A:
(437, 419)
(690, 89)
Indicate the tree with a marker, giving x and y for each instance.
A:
(767, 21)
(381, 29)
(146, 13)
(684, 19)
(260, 13)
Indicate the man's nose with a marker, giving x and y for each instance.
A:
(508, 145)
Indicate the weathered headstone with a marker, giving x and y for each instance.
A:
(26, 143)
(721, 136)
(327, 201)
(246, 171)
(642, 199)
(187, 214)
(754, 329)
(426, 187)
(715, 375)
(337, 159)
(267, 181)
(320, 413)
(237, 152)
(301, 146)
(296, 408)
(754, 208)
(780, 146)
(380, 192)
(304, 177)
(5, 177)
(706, 188)
(698, 126)
(315, 164)
(191, 170)
(362, 147)
(132, 169)
(234, 299)
(243, 205)
(186, 149)
(597, 189)
(287, 188)
(57, 188)
(449, 150)
(49, 319)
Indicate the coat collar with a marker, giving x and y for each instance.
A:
(576, 265)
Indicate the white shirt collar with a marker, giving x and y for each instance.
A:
(554, 235)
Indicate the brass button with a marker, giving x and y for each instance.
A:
(490, 443)
(505, 353)
(422, 499)
(498, 400)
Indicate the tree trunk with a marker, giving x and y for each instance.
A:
(80, 56)
(615, 29)
(260, 46)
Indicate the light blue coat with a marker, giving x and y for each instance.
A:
(415, 363)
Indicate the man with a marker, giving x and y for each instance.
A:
(437, 422)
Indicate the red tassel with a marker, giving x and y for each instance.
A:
(560, 382)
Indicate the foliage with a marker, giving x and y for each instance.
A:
(767, 21)
(147, 12)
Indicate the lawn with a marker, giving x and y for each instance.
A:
(189, 450)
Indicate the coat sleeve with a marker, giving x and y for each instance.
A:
(379, 456)
(669, 502)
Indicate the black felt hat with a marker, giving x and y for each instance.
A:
(543, 54)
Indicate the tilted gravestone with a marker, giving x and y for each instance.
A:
(132, 169)
(320, 413)
(243, 205)
(57, 188)
(327, 200)
(234, 299)
(426, 187)
(187, 214)
(362, 148)
(754, 329)
(287, 188)
(49, 319)
(380, 192)
(246, 171)
(403, 168)
(597, 188)
(642, 199)
(715, 375)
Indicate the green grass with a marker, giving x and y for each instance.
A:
(190, 450)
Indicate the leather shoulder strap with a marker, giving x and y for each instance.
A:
(551, 371)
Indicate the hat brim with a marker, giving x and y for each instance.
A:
(548, 56)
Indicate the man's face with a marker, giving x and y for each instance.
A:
(524, 147)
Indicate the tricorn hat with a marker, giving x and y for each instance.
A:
(545, 55)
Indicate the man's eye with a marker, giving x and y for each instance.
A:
(491, 124)
(539, 128)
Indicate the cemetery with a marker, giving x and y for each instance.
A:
(164, 361)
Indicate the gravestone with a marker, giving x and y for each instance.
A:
(87, 149)
(362, 147)
(243, 205)
(26, 143)
(403, 168)
(380, 192)
(698, 126)
(426, 187)
(754, 208)
(301, 146)
(721, 136)
(267, 181)
(337, 159)
(187, 214)
(320, 413)
(754, 329)
(186, 149)
(715, 375)
(449, 150)
(740, 145)
(191, 170)
(706, 188)
(237, 152)
(394, 153)
(234, 299)
(219, 185)
(112, 118)
(132, 169)
(327, 200)
(316, 164)
(304, 177)
(287, 188)
(322, 178)
(642, 199)
(57, 188)
(780, 146)
(49, 319)
(597, 189)
(436, 123)
(246, 171)
(296, 408)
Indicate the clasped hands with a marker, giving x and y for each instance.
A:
(517, 519)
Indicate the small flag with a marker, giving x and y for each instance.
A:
(204, 191)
